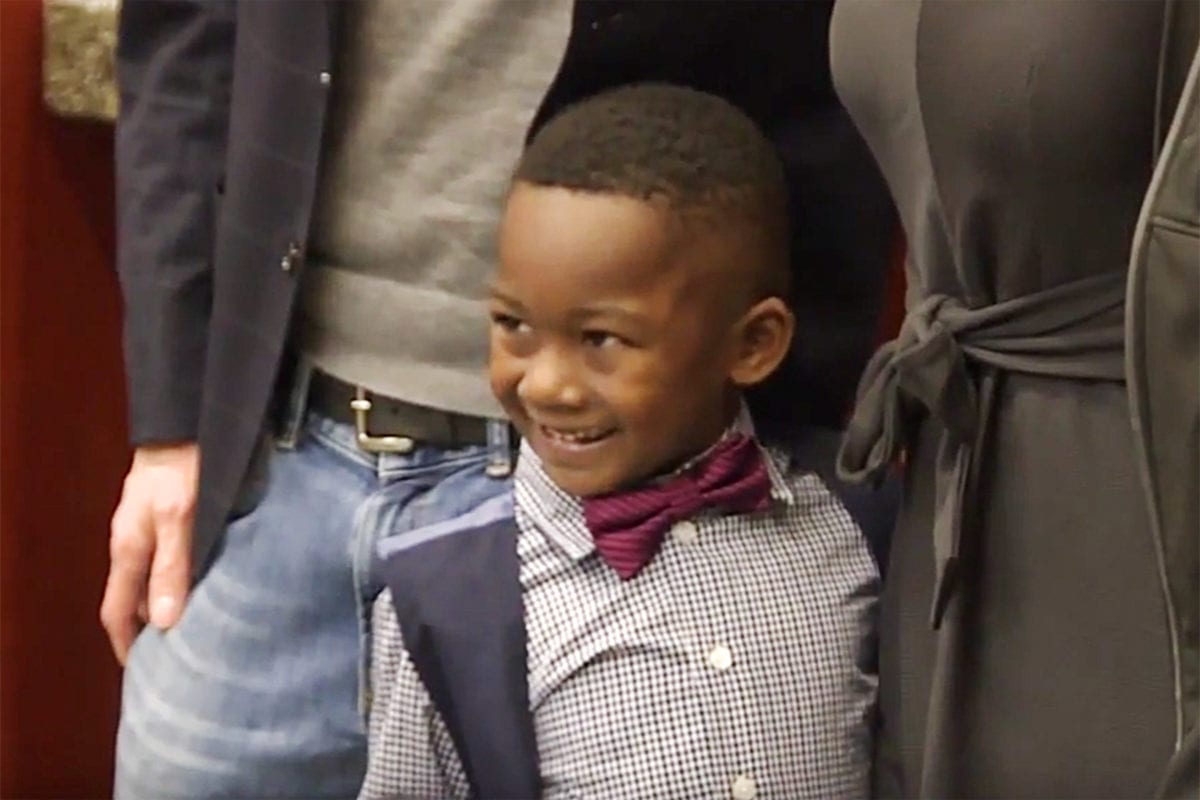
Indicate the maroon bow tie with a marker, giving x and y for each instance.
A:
(628, 527)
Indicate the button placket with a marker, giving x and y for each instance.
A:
(716, 650)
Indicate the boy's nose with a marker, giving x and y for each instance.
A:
(549, 382)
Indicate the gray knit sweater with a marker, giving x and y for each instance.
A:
(430, 106)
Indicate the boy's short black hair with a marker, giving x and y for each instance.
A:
(698, 153)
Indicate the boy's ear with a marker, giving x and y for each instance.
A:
(763, 336)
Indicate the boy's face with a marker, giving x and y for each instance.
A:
(612, 336)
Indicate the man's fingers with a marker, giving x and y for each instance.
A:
(122, 628)
(150, 542)
(170, 571)
(130, 547)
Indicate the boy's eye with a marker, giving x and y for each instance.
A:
(508, 322)
(602, 339)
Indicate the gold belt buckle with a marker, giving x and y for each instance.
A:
(366, 440)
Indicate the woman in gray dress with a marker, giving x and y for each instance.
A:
(1030, 645)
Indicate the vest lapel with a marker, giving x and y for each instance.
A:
(456, 588)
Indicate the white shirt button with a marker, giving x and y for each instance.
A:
(743, 788)
(325, 78)
(720, 658)
(685, 532)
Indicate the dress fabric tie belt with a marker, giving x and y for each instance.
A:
(1073, 331)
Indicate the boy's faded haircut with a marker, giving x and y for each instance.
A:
(696, 152)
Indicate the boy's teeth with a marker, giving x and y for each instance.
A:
(575, 436)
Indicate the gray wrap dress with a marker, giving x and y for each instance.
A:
(1025, 649)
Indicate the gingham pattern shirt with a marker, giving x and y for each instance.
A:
(733, 666)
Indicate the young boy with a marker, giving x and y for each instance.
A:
(663, 608)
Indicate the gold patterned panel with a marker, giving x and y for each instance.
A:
(79, 60)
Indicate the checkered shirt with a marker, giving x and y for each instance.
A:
(734, 666)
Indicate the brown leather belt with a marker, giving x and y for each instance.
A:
(387, 425)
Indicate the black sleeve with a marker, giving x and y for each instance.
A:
(844, 237)
(174, 68)
(843, 224)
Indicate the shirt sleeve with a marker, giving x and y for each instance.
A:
(409, 751)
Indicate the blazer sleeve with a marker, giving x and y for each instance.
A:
(174, 70)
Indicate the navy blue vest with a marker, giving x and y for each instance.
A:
(456, 589)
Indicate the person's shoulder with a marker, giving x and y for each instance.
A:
(808, 462)
(804, 460)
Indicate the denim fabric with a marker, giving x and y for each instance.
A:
(260, 691)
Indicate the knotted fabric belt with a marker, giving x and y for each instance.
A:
(1073, 331)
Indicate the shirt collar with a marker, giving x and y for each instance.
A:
(559, 515)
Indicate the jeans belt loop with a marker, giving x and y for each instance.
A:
(292, 423)
(500, 449)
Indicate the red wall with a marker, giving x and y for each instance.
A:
(62, 432)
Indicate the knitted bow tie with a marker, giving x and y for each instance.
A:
(628, 527)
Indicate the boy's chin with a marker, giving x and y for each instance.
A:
(583, 482)
(583, 486)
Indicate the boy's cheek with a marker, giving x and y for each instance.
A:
(504, 374)
(513, 409)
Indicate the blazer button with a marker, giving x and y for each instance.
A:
(291, 259)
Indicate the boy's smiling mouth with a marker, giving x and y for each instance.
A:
(573, 440)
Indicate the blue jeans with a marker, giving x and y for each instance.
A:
(261, 690)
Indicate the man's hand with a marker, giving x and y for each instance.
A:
(150, 544)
